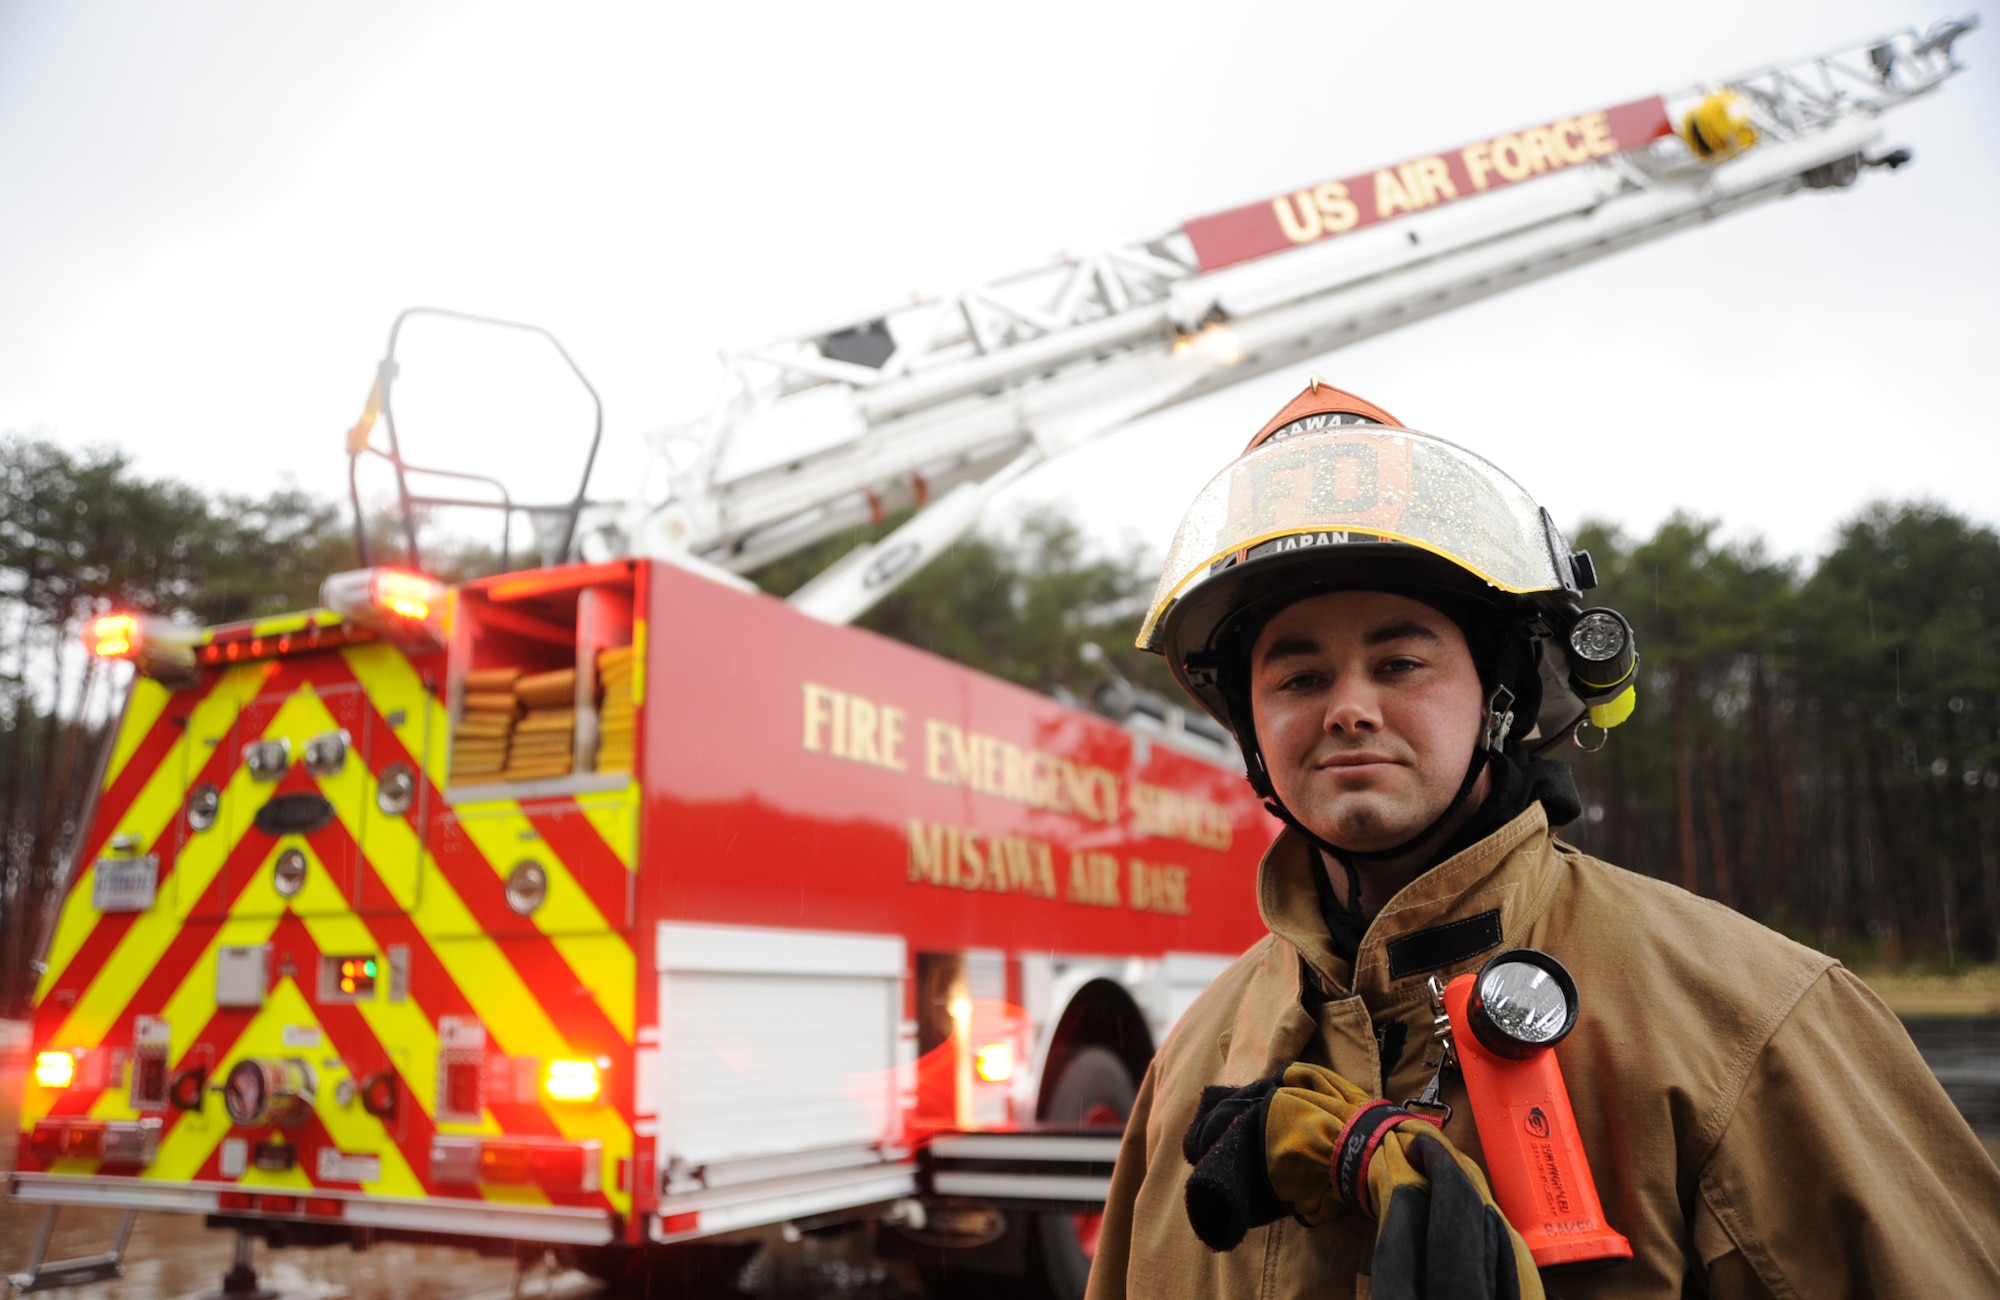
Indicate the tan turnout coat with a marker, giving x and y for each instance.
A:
(1757, 1122)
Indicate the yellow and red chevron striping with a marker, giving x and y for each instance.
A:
(124, 786)
(540, 994)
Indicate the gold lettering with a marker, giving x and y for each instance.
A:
(1157, 888)
(961, 857)
(852, 727)
(1390, 196)
(1510, 160)
(1436, 178)
(1006, 771)
(1013, 774)
(990, 755)
(1337, 212)
(973, 858)
(1597, 135)
(1572, 150)
(1478, 160)
(1093, 879)
(1301, 226)
(1170, 814)
(1041, 781)
(892, 738)
(861, 732)
(927, 850)
(820, 708)
(1541, 148)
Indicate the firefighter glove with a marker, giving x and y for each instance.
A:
(1229, 1191)
(1332, 1149)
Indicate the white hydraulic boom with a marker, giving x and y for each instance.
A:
(940, 404)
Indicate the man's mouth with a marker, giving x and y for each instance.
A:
(1356, 759)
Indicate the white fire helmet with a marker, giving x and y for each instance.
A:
(1336, 494)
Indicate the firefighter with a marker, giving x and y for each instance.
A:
(1392, 630)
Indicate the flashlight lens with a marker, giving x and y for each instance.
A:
(1524, 1003)
(1598, 636)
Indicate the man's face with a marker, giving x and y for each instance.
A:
(1367, 707)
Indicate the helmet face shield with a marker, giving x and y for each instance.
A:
(1344, 484)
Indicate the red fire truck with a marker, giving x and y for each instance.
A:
(611, 905)
(838, 904)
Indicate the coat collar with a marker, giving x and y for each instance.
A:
(1513, 872)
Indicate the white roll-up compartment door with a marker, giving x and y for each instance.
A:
(775, 1041)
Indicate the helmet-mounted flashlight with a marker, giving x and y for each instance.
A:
(1522, 1002)
(1601, 651)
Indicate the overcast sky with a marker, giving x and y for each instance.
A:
(213, 210)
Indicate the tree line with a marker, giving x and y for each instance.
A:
(1817, 745)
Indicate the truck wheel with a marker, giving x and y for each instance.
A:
(1095, 1090)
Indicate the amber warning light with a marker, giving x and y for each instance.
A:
(573, 1080)
(158, 646)
(55, 1069)
(391, 599)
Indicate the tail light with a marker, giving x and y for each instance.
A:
(394, 600)
(995, 1062)
(554, 1166)
(574, 1081)
(55, 1069)
(114, 1142)
(160, 648)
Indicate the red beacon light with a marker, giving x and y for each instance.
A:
(395, 601)
(158, 647)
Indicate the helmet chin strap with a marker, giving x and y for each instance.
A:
(1493, 737)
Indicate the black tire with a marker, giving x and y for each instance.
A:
(1094, 1084)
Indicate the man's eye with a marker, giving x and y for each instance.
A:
(1395, 666)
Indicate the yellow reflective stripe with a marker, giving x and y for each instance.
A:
(199, 863)
(638, 661)
(404, 1029)
(144, 704)
(392, 684)
(614, 814)
(604, 963)
(187, 1013)
(150, 815)
(276, 625)
(507, 838)
(568, 918)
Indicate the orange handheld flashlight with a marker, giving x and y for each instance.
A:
(1505, 1023)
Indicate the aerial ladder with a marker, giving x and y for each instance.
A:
(937, 406)
(934, 408)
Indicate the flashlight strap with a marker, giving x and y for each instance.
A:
(1355, 1149)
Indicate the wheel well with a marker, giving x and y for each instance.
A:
(1101, 1014)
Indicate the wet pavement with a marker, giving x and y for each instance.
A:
(173, 1256)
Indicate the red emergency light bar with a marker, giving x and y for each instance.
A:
(394, 601)
(246, 642)
(158, 647)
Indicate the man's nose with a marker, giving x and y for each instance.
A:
(1352, 705)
